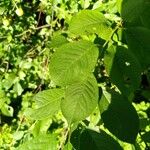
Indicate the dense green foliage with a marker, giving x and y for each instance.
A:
(74, 75)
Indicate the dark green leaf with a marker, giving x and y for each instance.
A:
(146, 14)
(123, 68)
(138, 39)
(91, 140)
(130, 9)
(146, 137)
(121, 118)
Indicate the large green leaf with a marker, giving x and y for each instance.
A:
(88, 139)
(80, 99)
(90, 21)
(41, 142)
(123, 68)
(121, 118)
(57, 40)
(146, 14)
(72, 62)
(138, 39)
(48, 103)
(130, 9)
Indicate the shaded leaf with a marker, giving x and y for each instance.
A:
(88, 139)
(130, 9)
(123, 68)
(146, 137)
(121, 118)
(146, 14)
(138, 39)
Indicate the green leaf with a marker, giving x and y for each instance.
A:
(123, 68)
(138, 39)
(41, 126)
(121, 118)
(7, 110)
(104, 101)
(48, 103)
(90, 21)
(72, 61)
(9, 81)
(58, 40)
(18, 88)
(68, 146)
(41, 142)
(18, 135)
(3, 98)
(80, 99)
(91, 140)
(130, 9)
(146, 14)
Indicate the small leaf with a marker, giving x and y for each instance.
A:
(88, 139)
(48, 103)
(72, 61)
(18, 135)
(80, 100)
(19, 11)
(3, 98)
(7, 110)
(90, 21)
(18, 88)
(9, 81)
(41, 142)
(41, 126)
(121, 118)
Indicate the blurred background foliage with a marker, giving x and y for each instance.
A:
(29, 31)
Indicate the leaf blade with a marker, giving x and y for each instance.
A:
(90, 21)
(80, 100)
(77, 59)
(48, 103)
